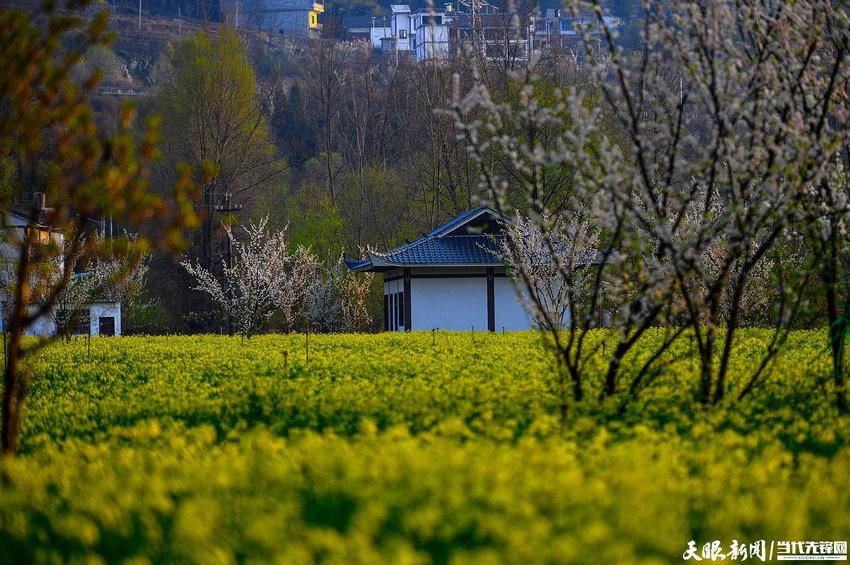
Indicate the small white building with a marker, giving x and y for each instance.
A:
(451, 278)
(94, 318)
(424, 34)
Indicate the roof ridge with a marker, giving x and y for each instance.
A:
(460, 219)
(488, 235)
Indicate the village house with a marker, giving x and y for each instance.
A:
(97, 317)
(434, 33)
(290, 18)
(451, 278)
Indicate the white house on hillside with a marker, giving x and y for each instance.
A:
(451, 278)
(401, 28)
(423, 34)
(434, 32)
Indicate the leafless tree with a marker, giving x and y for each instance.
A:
(323, 85)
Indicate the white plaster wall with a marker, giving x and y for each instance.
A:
(394, 286)
(460, 303)
(449, 304)
(377, 33)
(43, 326)
(510, 313)
(105, 309)
(529, 319)
(432, 42)
(401, 21)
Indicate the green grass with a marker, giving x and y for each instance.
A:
(397, 449)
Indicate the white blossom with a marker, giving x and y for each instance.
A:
(552, 256)
(264, 276)
(337, 298)
(691, 157)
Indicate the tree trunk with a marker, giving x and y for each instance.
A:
(706, 366)
(613, 369)
(720, 387)
(835, 341)
(14, 383)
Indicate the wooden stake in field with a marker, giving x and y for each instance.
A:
(307, 345)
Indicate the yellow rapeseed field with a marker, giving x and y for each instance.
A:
(410, 448)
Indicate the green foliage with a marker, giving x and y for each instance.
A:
(409, 448)
(315, 222)
(211, 115)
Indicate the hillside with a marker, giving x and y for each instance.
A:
(140, 47)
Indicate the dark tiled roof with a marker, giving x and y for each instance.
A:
(438, 247)
(448, 250)
(459, 250)
(349, 22)
(359, 265)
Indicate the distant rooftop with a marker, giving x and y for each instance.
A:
(349, 22)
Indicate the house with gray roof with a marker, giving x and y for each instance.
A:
(451, 278)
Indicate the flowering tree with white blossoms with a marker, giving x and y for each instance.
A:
(337, 298)
(323, 307)
(554, 254)
(553, 259)
(708, 138)
(118, 277)
(354, 289)
(73, 295)
(263, 277)
(70, 303)
(292, 292)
